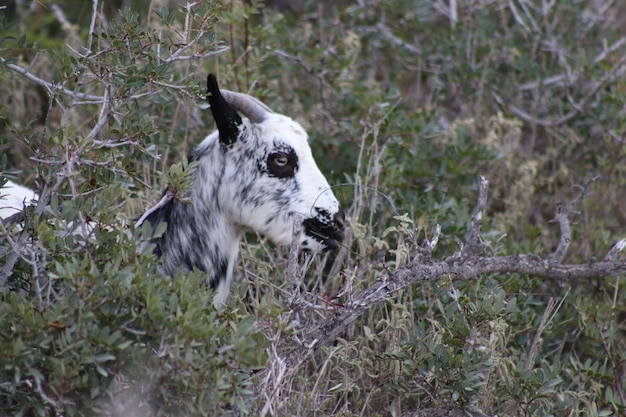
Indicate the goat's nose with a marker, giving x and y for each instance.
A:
(340, 220)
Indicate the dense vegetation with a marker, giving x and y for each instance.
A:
(407, 102)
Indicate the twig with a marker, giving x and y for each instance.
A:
(385, 32)
(92, 27)
(615, 250)
(599, 15)
(431, 243)
(562, 217)
(617, 70)
(606, 51)
(566, 233)
(52, 88)
(473, 244)
(524, 7)
(104, 116)
(187, 44)
(454, 14)
(43, 393)
(188, 8)
(277, 380)
(195, 56)
(517, 17)
(547, 317)
(292, 266)
(65, 24)
(563, 80)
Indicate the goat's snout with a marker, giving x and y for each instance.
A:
(326, 228)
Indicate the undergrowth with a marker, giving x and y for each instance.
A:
(406, 104)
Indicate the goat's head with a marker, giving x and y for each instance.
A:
(268, 156)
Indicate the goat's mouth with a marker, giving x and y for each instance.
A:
(329, 235)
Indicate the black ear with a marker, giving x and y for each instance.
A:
(225, 116)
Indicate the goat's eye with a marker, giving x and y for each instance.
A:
(281, 160)
(282, 164)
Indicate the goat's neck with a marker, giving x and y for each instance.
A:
(198, 237)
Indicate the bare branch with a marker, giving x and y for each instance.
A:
(517, 16)
(193, 57)
(615, 250)
(427, 247)
(440, 411)
(467, 267)
(616, 71)
(178, 55)
(473, 244)
(65, 24)
(92, 26)
(292, 267)
(105, 114)
(562, 217)
(387, 34)
(52, 88)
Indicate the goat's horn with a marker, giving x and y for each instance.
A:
(251, 107)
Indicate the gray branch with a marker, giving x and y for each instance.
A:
(467, 264)
(562, 217)
(457, 268)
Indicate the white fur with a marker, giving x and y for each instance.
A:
(314, 189)
(14, 197)
(235, 192)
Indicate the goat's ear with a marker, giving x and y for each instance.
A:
(225, 116)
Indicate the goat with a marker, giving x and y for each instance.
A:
(254, 173)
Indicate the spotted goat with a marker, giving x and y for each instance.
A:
(255, 173)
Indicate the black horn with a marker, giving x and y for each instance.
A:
(225, 115)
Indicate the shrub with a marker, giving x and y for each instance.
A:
(406, 103)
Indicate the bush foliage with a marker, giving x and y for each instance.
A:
(407, 102)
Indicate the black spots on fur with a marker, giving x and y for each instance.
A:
(248, 176)
(220, 270)
(183, 244)
(326, 229)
